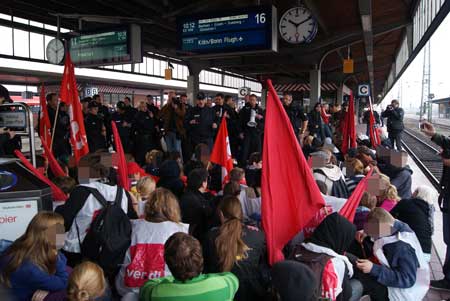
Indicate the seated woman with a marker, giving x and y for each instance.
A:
(367, 203)
(144, 187)
(153, 160)
(418, 213)
(144, 259)
(389, 198)
(87, 282)
(324, 254)
(238, 248)
(354, 173)
(170, 177)
(33, 262)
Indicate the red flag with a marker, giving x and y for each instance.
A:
(122, 167)
(349, 209)
(58, 194)
(374, 134)
(69, 95)
(348, 130)
(44, 120)
(52, 162)
(221, 152)
(290, 196)
(324, 115)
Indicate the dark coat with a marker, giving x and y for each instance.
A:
(417, 213)
(296, 115)
(244, 118)
(251, 271)
(394, 119)
(94, 125)
(197, 211)
(444, 143)
(172, 119)
(205, 117)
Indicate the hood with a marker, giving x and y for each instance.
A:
(332, 172)
(169, 169)
(400, 227)
(294, 281)
(334, 232)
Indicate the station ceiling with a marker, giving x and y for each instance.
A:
(340, 28)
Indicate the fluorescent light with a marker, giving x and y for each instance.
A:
(370, 58)
(366, 21)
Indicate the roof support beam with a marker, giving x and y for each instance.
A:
(365, 11)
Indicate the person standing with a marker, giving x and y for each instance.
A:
(172, 115)
(251, 119)
(395, 126)
(232, 125)
(144, 130)
(444, 200)
(315, 123)
(105, 115)
(296, 115)
(95, 129)
(366, 119)
(124, 124)
(61, 144)
(200, 123)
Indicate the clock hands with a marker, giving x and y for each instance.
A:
(298, 24)
(309, 18)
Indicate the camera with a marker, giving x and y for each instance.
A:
(176, 101)
(389, 107)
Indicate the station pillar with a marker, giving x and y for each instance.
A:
(263, 97)
(315, 82)
(193, 80)
(340, 94)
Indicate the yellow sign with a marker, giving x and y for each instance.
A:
(348, 66)
(168, 74)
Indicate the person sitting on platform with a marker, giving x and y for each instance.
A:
(183, 255)
(87, 282)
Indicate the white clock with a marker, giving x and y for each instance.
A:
(55, 51)
(298, 25)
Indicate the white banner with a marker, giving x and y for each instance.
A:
(15, 217)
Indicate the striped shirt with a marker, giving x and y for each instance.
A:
(206, 287)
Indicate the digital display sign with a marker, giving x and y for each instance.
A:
(245, 30)
(107, 47)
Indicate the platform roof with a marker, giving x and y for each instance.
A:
(340, 27)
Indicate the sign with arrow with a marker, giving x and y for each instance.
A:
(363, 90)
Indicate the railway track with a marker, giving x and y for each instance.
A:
(425, 155)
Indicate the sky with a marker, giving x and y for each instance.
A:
(408, 88)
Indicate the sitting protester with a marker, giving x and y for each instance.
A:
(238, 248)
(33, 263)
(335, 203)
(196, 207)
(329, 173)
(354, 170)
(144, 187)
(418, 213)
(153, 159)
(324, 254)
(82, 209)
(183, 255)
(294, 281)
(87, 282)
(169, 174)
(200, 158)
(143, 259)
(401, 272)
(389, 198)
(366, 204)
(66, 184)
(251, 204)
(253, 172)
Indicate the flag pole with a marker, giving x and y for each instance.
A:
(54, 125)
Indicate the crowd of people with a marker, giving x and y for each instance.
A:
(180, 234)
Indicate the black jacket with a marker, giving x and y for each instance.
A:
(444, 143)
(62, 132)
(197, 211)
(296, 115)
(244, 118)
(94, 125)
(417, 213)
(394, 119)
(205, 118)
(315, 121)
(251, 271)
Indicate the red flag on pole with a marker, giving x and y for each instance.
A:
(290, 196)
(58, 194)
(122, 167)
(44, 120)
(374, 134)
(349, 209)
(52, 162)
(69, 95)
(221, 152)
(349, 130)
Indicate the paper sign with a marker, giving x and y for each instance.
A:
(15, 217)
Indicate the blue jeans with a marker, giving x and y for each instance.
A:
(173, 143)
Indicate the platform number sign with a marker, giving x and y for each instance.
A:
(244, 91)
(363, 90)
(90, 91)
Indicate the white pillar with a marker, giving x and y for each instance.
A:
(315, 82)
(193, 85)
(263, 97)
(340, 94)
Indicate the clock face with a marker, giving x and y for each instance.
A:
(297, 25)
(55, 51)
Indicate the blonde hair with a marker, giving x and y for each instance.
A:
(380, 215)
(86, 282)
(390, 193)
(34, 246)
(162, 206)
(145, 186)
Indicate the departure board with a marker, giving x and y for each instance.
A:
(245, 30)
(107, 47)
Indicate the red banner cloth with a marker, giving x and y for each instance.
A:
(69, 95)
(349, 209)
(122, 167)
(290, 196)
(44, 120)
(374, 134)
(221, 152)
(58, 194)
(52, 162)
(349, 130)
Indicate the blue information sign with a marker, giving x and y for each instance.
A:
(247, 29)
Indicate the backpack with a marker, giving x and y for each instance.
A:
(109, 235)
